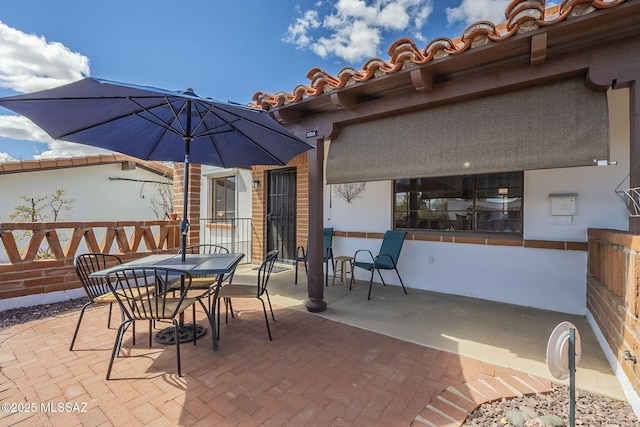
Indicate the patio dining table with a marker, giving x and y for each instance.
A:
(195, 264)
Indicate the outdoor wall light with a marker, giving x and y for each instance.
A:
(255, 183)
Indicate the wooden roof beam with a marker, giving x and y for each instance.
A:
(538, 48)
(422, 80)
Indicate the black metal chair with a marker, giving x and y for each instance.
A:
(387, 258)
(97, 290)
(228, 292)
(327, 253)
(127, 285)
(205, 283)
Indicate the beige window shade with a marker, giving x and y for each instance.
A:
(562, 124)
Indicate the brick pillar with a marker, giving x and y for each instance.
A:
(258, 213)
(193, 202)
(634, 119)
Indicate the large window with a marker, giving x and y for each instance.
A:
(223, 197)
(489, 202)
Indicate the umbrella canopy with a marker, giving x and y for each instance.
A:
(156, 124)
(153, 124)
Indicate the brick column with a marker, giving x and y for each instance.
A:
(193, 202)
(634, 121)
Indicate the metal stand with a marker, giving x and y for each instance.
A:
(185, 334)
(572, 377)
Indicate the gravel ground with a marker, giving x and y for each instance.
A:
(591, 410)
(17, 316)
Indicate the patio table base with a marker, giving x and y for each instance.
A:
(185, 334)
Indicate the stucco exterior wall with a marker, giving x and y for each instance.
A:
(553, 279)
(97, 197)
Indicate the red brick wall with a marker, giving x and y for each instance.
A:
(193, 204)
(259, 208)
(613, 293)
(25, 274)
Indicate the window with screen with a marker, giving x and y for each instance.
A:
(223, 197)
(487, 202)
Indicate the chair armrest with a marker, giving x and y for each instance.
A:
(375, 260)
(355, 256)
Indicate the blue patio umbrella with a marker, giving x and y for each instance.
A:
(157, 124)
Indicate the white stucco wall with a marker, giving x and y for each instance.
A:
(243, 189)
(96, 197)
(549, 279)
(237, 238)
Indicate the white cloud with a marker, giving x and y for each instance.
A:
(30, 63)
(356, 29)
(69, 149)
(21, 128)
(297, 32)
(471, 11)
(4, 157)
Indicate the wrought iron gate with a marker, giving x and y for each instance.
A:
(281, 213)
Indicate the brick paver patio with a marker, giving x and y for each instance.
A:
(314, 372)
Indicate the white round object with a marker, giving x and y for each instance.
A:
(558, 350)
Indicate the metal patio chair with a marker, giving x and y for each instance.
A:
(258, 291)
(96, 289)
(204, 283)
(127, 283)
(387, 258)
(327, 252)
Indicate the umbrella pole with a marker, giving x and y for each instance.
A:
(185, 211)
(184, 227)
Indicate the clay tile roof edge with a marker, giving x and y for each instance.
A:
(521, 15)
(79, 161)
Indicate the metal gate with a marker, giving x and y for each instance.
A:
(281, 213)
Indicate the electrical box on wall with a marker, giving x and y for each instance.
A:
(563, 204)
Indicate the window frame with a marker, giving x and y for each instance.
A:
(416, 206)
(212, 191)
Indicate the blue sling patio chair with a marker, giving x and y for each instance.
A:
(387, 258)
(327, 251)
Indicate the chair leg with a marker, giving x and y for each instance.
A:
(75, 334)
(212, 324)
(117, 344)
(266, 318)
(109, 319)
(403, 288)
(194, 328)
(295, 281)
(371, 283)
(176, 335)
(326, 272)
(128, 322)
(218, 322)
(270, 308)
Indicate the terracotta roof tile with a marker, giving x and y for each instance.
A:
(521, 16)
(68, 162)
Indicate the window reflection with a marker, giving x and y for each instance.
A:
(489, 202)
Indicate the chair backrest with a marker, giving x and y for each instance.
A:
(85, 264)
(206, 249)
(264, 272)
(327, 242)
(392, 244)
(131, 287)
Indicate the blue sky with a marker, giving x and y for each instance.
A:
(226, 50)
